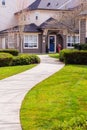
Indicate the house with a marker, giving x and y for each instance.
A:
(43, 25)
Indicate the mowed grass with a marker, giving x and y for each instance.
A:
(54, 55)
(12, 70)
(59, 99)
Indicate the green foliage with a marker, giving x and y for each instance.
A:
(5, 59)
(54, 55)
(62, 53)
(57, 103)
(14, 52)
(80, 46)
(75, 123)
(25, 59)
(76, 57)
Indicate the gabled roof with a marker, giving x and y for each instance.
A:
(53, 24)
(31, 28)
(47, 4)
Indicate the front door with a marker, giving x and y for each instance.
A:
(52, 43)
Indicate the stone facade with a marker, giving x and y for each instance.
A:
(82, 30)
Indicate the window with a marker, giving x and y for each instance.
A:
(31, 41)
(3, 2)
(24, 18)
(36, 17)
(71, 40)
(11, 40)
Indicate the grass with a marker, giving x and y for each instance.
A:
(57, 103)
(54, 55)
(12, 70)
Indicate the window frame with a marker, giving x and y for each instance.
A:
(71, 41)
(32, 47)
(11, 36)
(3, 2)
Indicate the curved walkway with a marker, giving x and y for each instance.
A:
(14, 88)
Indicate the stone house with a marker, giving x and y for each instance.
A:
(45, 24)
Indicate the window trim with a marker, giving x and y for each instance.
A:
(71, 41)
(30, 35)
(12, 43)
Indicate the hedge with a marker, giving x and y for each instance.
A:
(81, 46)
(14, 52)
(62, 52)
(25, 59)
(5, 59)
(78, 57)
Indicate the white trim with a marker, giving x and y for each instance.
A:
(64, 4)
(3, 43)
(71, 40)
(29, 35)
(54, 43)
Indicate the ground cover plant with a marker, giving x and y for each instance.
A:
(57, 103)
(12, 70)
(54, 55)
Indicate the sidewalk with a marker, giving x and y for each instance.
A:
(14, 89)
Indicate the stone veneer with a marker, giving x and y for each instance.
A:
(82, 30)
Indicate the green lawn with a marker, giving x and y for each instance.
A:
(12, 70)
(54, 55)
(57, 103)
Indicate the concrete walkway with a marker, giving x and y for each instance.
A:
(13, 90)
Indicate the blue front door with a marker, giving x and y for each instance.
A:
(51, 43)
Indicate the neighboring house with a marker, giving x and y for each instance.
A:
(42, 26)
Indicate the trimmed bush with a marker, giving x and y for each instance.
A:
(62, 52)
(5, 59)
(77, 57)
(80, 46)
(14, 52)
(25, 59)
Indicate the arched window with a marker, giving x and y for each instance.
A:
(3, 2)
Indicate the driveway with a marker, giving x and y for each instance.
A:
(14, 89)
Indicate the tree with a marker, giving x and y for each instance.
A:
(70, 17)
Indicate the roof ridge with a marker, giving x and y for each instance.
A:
(34, 5)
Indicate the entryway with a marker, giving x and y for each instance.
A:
(52, 43)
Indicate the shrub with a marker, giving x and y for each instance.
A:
(5, 59)
(25, 59)
(76, 57)
(80, 46)
(62, 52)
(14, 52)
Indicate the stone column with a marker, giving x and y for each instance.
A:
(44, 41)
(82, 30)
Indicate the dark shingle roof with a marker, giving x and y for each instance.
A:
(47, 4)
(27, 28)
(31, 28)
(53, 24)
